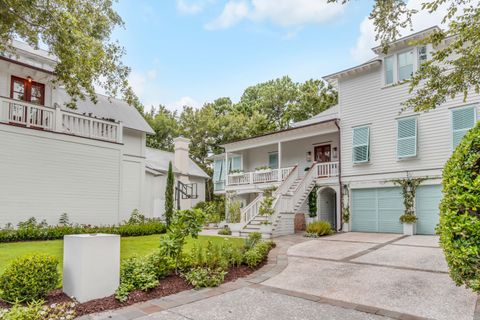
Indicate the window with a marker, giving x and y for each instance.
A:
(422, 55)
(361, 144)
(406, 138)
(27, 90)
(273, 160)
(218, 174)
(405, 65)
(389, 70)
(463, 119)
(235, 163)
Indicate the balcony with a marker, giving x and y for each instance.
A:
(29, 115)
(258, 176)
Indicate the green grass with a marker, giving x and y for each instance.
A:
(130, 246)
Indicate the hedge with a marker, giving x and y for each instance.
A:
(459, 226)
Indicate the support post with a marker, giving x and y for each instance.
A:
(226, 168)
(280, 178)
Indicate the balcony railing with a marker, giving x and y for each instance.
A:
(55, 119)
(258, 177)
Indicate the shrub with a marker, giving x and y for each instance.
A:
(161, 265)
(37, 311)
(459, 226)
(320, 228)
(136, 274)
(252, 239)
(29, 278)
(215, 255)
(205, 277)
(225, 231)
(258, 253)
(408, 218)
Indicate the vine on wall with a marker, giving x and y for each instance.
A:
(409, 187)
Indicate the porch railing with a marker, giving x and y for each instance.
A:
(55, 119)
(258, 177)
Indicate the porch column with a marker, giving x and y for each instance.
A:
(226, 168)
(279, 161)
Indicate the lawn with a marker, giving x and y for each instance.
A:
(130, 246)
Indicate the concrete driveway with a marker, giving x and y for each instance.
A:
(386, 271)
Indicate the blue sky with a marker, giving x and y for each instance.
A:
(194, 51)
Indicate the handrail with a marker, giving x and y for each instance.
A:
(255, 177)
(288, 181)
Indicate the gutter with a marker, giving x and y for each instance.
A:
(340, 174)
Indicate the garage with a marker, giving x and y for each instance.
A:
(377, 210)
(426, 202)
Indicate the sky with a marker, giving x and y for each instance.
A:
(189, 52)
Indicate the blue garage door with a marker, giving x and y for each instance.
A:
(426, 203)
(377, 210)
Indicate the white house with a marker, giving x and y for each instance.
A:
(373, 144)
(89, 162)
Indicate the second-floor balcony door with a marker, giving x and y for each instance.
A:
(322, 153)
(29, 91)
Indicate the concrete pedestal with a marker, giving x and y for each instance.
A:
(91, 265)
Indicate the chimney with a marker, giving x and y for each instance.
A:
(181, 158)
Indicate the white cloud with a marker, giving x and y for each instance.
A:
(284, 13)
(233, 12)
(145, 87)
(422, 20)
(192, 6)
(184, 101)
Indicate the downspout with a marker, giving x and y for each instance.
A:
(340, 174)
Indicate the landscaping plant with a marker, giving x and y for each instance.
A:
(136, 274)
(409, 189)
(319, 228)
(205, 277)
(169, 194)
(29, 278)
(225, 231)
(459, 226)
(36, 310)
(312, 202)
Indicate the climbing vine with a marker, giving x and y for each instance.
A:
(312, 202)
(345, 205)
(409, 187)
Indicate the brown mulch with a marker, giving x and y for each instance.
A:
(168, 286)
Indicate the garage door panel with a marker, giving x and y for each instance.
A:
(427, 202)
(364, 217)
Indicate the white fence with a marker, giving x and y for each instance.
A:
(54, 119)
(259, 176)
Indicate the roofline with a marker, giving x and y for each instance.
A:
(365, 64)
(23, 64)
(175, 171)
(275, 132)
(413, 35)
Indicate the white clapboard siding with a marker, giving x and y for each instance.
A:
(363, 101)
(45, 174)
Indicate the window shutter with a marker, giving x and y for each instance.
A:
(407, 138)
(217, 171)
(361, 141)
(462, 120)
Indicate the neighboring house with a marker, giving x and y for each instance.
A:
(185, 170)
(88, 162)
(377, 144)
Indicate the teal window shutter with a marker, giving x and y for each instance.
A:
(273, 160)
(361, 144)
(463, 119)
(407, 138)
(218, 170)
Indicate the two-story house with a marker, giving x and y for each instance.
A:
(89, 162)
(374, 144)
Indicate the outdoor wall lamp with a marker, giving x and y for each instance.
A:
(309, 156)
(334, 152)
(29, 79)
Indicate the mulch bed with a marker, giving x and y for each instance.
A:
(168, 286)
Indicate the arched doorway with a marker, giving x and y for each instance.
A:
(327, 206)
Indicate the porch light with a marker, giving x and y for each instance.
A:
(334, 152)
(29, 79)
(309, 156)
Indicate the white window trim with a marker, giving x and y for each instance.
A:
(396, 66)
(474, 106)
(368, 145)
(416, 138)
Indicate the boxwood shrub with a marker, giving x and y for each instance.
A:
(459, 226)
(29, 278)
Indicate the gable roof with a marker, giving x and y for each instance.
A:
(158, 160)
(108, 108)
(329, 114)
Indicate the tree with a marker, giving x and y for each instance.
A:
(169, 192)
(453, 68)
(165, 124)
(78, 34)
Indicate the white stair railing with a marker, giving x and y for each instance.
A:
(251, 211)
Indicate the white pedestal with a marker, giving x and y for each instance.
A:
(346, 227)
(91, 265)
(409, 229)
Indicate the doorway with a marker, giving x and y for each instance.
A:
(322, 153)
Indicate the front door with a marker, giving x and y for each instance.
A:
(322, 153)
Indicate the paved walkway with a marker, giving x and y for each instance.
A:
(346, 276)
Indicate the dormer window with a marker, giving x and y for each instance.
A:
(405, 65)
(389, 70)
(422, 55)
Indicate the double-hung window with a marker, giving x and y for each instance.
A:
(389, 70)
(273, 160)
(405, 65)
(235, 163)
(407, 137)
(361, 144)
(463, 119)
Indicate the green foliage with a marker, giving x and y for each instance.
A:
(35, 310)
(216, 255)
(64, 220)
(214, 209)
(165, 124)
(319, 228)
(29, 278)
(234, 208)
(258, 253)
(346, 214)
(225, 231)
(78, 33)
(169, 192)
(205, 277)
(312, 202)
(409, 189)
(266, 206)
(29, 230)
(459, 226)
(136, 274)
(253, 239)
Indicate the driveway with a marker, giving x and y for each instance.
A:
(359, 276)
(381, 271)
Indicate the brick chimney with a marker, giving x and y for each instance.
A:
(181, 158)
